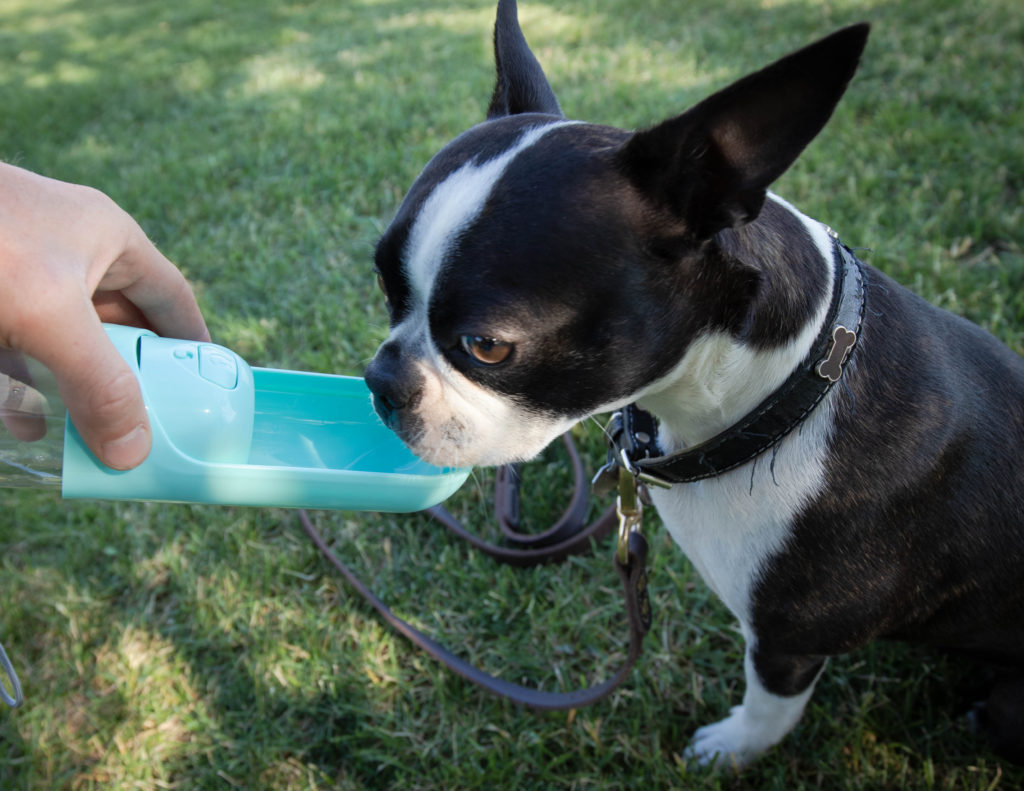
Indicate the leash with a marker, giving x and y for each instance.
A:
(569, 535)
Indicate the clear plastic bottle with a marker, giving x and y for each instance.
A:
(31, 453)
(31, 424)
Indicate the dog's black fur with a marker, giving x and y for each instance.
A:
(605, 256)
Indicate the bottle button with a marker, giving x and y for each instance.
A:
(218, 366)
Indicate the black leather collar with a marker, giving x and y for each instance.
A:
(633, 433)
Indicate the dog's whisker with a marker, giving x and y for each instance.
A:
(726, 307)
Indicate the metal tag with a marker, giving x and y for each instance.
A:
(831, 367)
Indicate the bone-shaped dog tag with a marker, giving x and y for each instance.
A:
(831, 367)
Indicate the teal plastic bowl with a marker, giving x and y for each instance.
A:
(228, 434)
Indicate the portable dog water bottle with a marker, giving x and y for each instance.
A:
(228, 434)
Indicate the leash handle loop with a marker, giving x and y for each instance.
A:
(568, 536)
(634, 581)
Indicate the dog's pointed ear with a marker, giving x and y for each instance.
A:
(521, 86)
(711, 166)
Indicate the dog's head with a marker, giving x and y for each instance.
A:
(541, 270)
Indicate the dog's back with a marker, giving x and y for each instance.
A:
(919, 534)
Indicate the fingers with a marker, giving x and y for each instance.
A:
(114, 307)
(155, 287)
(140, 288)
(61, 245)
(98, 387)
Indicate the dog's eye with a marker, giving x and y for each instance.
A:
(486, 351)
(381, 286)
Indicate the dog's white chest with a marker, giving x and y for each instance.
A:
(730, 525)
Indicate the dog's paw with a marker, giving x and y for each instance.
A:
(731, 743)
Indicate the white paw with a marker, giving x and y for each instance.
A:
(730, 743)
(761, 722)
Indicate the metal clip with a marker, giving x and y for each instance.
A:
(629, 509)
(649, 479)
(18, 698)
(831, 367)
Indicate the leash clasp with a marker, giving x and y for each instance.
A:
(622, 475)
(631, 552)
(630, 510)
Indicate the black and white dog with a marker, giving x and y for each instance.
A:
(542, 270)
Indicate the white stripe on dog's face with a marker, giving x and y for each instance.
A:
(451, 207)
(462, 422)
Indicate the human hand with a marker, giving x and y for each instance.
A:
(70, 259)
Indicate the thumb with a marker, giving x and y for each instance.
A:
(102, 397)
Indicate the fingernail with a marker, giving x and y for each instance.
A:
(129, 451)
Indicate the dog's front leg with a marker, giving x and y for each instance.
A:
(765, 716)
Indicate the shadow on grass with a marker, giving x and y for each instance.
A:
(264, 147)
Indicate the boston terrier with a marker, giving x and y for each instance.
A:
(840, 460)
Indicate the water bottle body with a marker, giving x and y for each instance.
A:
(223, 433)
(32, 419)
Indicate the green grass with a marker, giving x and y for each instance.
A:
(264, 146)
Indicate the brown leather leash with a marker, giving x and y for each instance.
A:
(569, 535)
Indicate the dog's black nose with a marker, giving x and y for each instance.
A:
(381, 386)
(385, 410)
(393, 384)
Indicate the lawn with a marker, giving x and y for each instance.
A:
(264, 146)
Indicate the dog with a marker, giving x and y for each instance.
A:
(843, 459)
